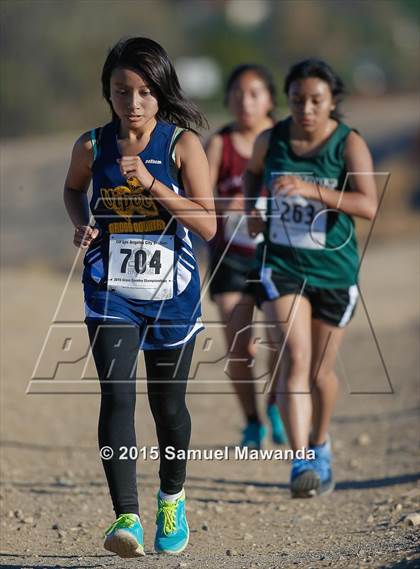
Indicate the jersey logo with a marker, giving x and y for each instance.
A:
(129, 200)
(153, 161)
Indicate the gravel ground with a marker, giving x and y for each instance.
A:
(55, 503)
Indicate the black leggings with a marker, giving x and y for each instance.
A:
(115, 350)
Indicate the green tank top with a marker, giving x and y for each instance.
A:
(304, 240)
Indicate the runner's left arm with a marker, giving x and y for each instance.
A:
(361, 201)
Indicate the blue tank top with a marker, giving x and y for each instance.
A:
(140, 245)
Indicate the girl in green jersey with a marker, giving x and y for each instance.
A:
(319, 174)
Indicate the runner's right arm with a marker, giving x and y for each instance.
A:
(253, 177)
(214, 148)
(214, 151)
(75, 191)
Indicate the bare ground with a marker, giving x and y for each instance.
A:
(53, 495)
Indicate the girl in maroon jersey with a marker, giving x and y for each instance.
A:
(250, 97)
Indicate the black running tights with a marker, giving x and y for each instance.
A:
(115, 351)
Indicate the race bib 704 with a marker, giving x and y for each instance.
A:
(141, 267)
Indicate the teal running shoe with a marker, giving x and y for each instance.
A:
(172, 532)
(278, 432)
(125, 536)
(253, 435)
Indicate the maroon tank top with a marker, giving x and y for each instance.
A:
(232, 228)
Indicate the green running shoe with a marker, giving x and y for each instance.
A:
(172, 532)
(125, 536)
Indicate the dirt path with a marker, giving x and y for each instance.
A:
(55, 503)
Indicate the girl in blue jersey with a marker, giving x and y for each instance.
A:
(320, 174)
(151, 187)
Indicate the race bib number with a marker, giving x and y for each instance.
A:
(298, 222)
(236, 227)
(141, 267)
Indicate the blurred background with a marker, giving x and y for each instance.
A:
(51, 59)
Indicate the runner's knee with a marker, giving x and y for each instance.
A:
(299, 360)
(323, 378)
(169, 413)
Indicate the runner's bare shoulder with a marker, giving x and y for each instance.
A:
(80, 169)
(83, 148)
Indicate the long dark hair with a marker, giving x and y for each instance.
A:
(320, 69)
(151, 61)
(262, 72)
